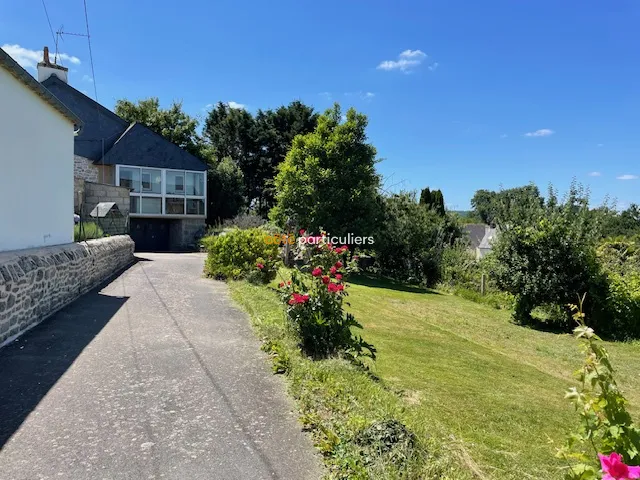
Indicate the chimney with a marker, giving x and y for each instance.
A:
(46, 69)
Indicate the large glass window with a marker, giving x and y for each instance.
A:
(151, 181)
(174, 206)
(134, 204)
(195, 206)
(151, 205)
(175, 182)
(195, 184)
(130, 178)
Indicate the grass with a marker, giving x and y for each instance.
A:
(86, 231)
(485, 396)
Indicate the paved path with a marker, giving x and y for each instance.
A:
(156, 376)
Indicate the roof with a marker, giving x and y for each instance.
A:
(36, 87)
(141, 146)
(106, 209)
(476, 232)
(100, 123)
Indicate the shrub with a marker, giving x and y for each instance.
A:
(86, 231)
(314, 308)
(239, 253)
(606, 426)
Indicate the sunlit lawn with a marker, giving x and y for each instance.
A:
(497, 387)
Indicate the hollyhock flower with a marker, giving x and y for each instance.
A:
(615, 469)
(316, 272)
(333, 270)
(338, 276)
(260, 266)
(338, 264)
(326, 279)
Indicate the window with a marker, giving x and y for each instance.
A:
(174, 206)
(130, 178)
(195, 206)
(151, 181)
(151, 205)
(175, 182)
(134, 204)
(195, 184)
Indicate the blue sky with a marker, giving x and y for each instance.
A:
(452, 112)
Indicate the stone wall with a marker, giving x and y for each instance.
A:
(36, 283)
(95, 193)
(185, 233)
(84, 168)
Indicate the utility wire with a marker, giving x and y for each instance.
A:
(55, 41)
(93, 73)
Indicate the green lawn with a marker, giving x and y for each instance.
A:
(497, 387)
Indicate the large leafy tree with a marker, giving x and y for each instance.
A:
(329, 178)
(224, 190)
(433, 199)
(257, 144)
(507, 207)
(172, 123)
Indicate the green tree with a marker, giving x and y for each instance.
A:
(329, 178)
(507, 207)
(172, 123)
(433, 199)
(225, 184)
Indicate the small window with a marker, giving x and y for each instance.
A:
(152, 205)
(195, 206)
(174, 206)
(151, 181)
(195, 184)
(130, 178)
(175, 182)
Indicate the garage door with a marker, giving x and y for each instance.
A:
(150, 234)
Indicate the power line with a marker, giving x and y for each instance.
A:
(55, 41)
(93, 73)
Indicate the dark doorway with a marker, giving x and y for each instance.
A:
(150, 234)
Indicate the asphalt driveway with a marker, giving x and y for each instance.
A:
(156, 376)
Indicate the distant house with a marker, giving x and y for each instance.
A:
(167, 185)
(36, 153)
(481, 237)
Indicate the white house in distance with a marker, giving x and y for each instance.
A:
(36, 160)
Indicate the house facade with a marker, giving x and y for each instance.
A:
(36, 153)
(167, 185)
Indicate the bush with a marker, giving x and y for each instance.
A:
(236, 254)
(314, 308)
(86, 231)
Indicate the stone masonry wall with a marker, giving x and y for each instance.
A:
(185, 233)
(36, 283)
(95, 193)
(84, 168)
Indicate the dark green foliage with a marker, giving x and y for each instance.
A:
(172, 123)
(257, 144)
(410, 240)
(624, 224)
(239, 253)
(433, 200)
(328, 180)
(225, 184)
(507, 207)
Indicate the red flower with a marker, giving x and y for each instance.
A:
(332, 287)
(325, 279)
(338, 276)
(356, 257)
(260, 266)
(333, 270)
(281, 284)
(288, 282)
(338, 264)
(302, 231)
(340, 287)
(338, 250)
(344, 248)
(296, 299)
(317, 272)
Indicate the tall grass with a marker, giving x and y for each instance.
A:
(87, 231)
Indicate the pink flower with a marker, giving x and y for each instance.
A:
(326, 279)
(335, 287)
(260, 266)
(614, 469)
(338, 276)
(316, 272)
(302, 230)
(338, 264)
(296, 298)
(333, 270)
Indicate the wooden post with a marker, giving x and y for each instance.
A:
(483, 284)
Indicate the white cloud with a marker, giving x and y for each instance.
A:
(362, 95)
(236, 105)
(87, 78)
(30, 58)
(594, 174)
(406, 62)
(369, 95)
(627, 177)
(544, 132)
(434, 66)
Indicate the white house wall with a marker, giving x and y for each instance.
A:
(36, 174)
